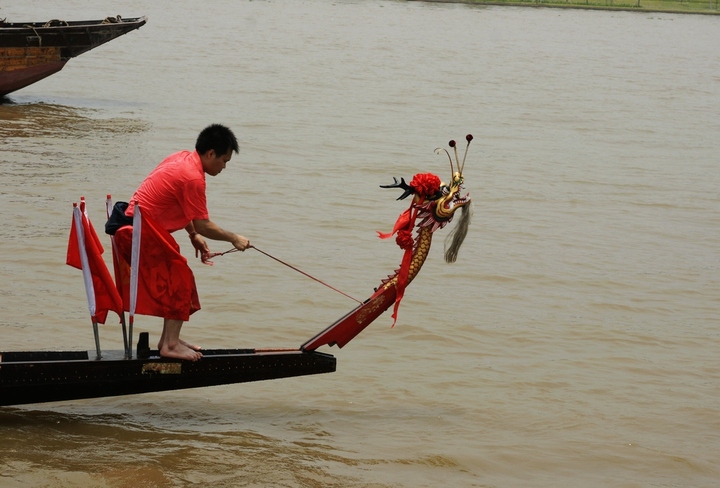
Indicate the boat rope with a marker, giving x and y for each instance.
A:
(36, 34)
(113, 20)
(234, 249)
(56, 23)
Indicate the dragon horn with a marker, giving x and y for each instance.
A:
(409, 190)
(468, 138)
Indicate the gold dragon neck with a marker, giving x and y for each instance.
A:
(420, 253)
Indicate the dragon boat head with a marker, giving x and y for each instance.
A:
(436, 202)
(448, 198)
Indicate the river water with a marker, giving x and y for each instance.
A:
(574, 343)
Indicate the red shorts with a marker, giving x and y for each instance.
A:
(166, 284)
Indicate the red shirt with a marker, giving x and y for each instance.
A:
(174, 193)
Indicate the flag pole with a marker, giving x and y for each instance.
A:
(87, 276)
(134, 266)
(118, 284)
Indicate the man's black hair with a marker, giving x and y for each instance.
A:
(217, 137)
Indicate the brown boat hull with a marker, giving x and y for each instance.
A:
(30, 52)
(21, 70)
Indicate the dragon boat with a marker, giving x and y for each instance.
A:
(28, 377)
(32, 51)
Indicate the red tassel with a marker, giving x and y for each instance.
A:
(401, 223)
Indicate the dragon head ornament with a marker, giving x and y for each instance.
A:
(434, 204)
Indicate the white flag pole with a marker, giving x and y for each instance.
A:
(78, 214)
(116, 259)
(134, 265)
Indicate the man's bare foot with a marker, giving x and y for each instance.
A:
(191, 346)
(180, 351)
(186, 344)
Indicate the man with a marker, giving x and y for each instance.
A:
(173, 197)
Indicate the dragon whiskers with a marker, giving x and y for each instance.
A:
(455, 238)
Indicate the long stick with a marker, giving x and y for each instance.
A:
(289, 266)
(118, 284)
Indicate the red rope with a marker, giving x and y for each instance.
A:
(234, 249)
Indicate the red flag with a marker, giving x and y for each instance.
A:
(85, 253)
(166, 285)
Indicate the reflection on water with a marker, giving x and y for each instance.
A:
(75, 448)
(51, 120)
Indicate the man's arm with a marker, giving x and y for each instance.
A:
(211, 230)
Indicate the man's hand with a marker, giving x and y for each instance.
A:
(201, 249)
(241, 243)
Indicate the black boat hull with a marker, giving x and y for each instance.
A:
(39, 377)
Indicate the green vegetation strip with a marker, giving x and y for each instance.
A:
(707, 7)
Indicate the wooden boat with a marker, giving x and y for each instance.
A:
(31, 51)
(49, 376)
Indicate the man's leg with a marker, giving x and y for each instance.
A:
(184, 343)
(171, 346)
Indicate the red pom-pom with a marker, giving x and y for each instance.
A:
(404, 239)
(451, 143)
(469, 137)
(425, 184)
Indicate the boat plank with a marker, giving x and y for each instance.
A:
(24, 57)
